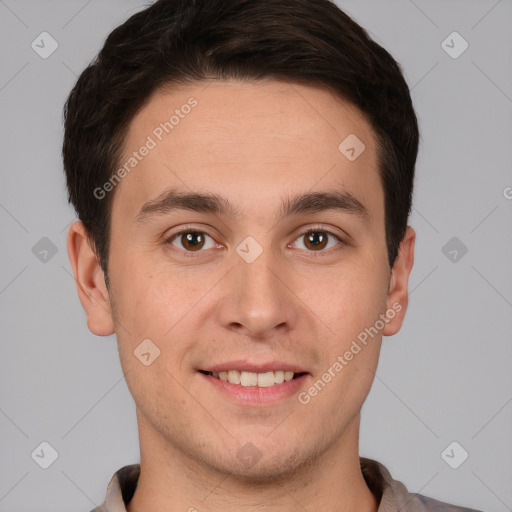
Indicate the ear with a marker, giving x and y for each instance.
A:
(398, 296)
(90, 281)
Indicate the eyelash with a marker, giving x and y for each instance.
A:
(194, 254)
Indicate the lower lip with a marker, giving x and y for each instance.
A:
(255, 395)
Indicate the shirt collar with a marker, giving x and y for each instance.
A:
(391, 494)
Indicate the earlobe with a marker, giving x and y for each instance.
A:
(90, 281)
(398, 295)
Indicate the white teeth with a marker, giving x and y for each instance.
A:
(249, 379)
(266, 380)
(279, 376)
(234, 376)
(262, 380)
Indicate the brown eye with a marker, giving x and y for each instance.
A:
(190, 241)
(316, 240)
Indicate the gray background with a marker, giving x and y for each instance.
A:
(445, 377)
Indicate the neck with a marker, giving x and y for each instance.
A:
(172, 481)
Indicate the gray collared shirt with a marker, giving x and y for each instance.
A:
(391, 494)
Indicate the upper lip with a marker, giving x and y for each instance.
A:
(246, 366)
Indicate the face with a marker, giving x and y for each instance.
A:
(251, 283)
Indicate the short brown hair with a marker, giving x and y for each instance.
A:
(310, 42)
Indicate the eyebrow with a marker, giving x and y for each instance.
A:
(173, 200)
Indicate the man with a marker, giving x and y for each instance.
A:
(243, 172)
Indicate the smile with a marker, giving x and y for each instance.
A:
(252, 379)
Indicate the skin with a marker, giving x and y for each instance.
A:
(254, 143)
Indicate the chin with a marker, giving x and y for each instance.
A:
(258, 462)
(264, 471)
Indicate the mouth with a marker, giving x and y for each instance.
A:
(255, 384)
(253, 379)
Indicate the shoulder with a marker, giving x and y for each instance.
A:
(120, 490)
(393, 496)
(433, 505)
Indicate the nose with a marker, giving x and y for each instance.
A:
(258, 298)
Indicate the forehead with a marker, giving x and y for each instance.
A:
(250, 141)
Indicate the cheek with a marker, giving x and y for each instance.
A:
(142, 293)
(347, 300)
(157, 304)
